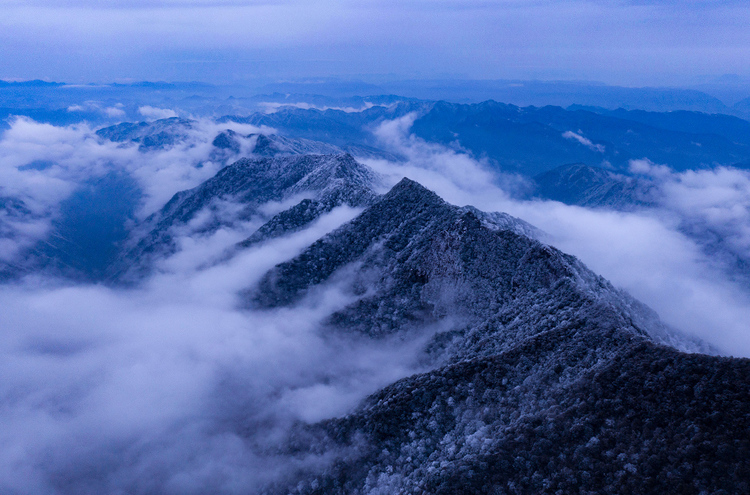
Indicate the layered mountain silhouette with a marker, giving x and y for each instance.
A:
(420, 257)
(531, 140)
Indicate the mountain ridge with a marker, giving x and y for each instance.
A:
(327, 180)
(543, 341)
(440, 257)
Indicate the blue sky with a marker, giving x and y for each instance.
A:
(619, 42)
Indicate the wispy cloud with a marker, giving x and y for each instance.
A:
(273, 107)
(584, 141)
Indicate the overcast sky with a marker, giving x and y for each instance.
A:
(648, 42)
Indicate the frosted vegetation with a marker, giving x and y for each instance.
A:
(242, 305)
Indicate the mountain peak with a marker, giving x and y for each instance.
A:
(410, 190)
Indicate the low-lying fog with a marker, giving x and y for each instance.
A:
(169, 387)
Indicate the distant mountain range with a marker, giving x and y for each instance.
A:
(525, 93)
(63, 103)
(532, 140)
(538, 143)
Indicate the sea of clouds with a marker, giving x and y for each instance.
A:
(169, 387)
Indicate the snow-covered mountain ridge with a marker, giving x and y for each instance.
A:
(314, 184)
(546, 378)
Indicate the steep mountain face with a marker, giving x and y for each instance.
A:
(155, 135)
(314, 183)
(80, 240)
(558, 414)
(269, 145)
(418, 259)
(274, 145)
(546, 379)
(581, 185)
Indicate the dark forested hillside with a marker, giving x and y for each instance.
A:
(546, 379)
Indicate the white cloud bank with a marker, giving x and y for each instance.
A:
(273, 107)
(42, 164)
(169, 388)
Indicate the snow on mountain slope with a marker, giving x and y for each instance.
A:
(243, 191)
(545, 376)
(419, 258)
(536, 374)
